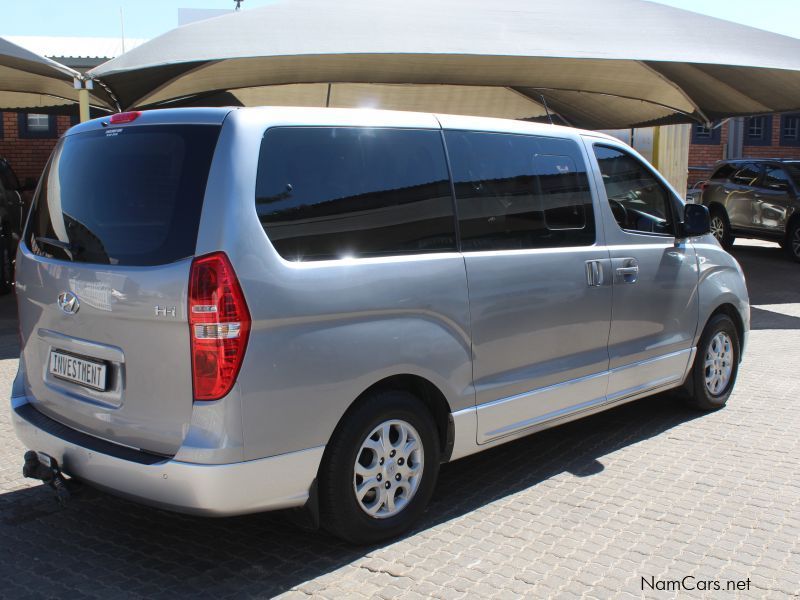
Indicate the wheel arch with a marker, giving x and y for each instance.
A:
(731, 311)
(427, 392)
(715, 205)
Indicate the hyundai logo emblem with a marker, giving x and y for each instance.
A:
(68, 303)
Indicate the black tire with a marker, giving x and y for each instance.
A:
(721, 227)
(791, 243)
(340, 511)
(6, 266)
(695, 391)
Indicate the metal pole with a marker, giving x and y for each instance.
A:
(122, 29)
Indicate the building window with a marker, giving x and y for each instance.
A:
(37, 126)
(758, 131)
(790, 130)
(703, 133)
(755, 127)
(38, 123)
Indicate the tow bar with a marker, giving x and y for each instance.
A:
(39, 465)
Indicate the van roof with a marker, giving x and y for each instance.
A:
(215, 116)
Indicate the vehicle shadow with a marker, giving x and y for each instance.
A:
(772, 279)
(108, 539)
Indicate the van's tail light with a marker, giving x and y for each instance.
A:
(219, 323)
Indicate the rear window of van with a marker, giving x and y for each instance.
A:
(124, 196)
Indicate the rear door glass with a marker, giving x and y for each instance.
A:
(776, 179)
(518, 192)
(124, 196)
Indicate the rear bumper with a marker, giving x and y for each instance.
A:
(215, 490)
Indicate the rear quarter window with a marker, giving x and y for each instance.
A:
(333, 192)
(124, 196)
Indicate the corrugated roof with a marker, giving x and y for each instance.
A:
(75, 47)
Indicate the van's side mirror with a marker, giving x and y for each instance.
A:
(696, 220)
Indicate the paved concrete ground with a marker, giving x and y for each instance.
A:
(648, 490)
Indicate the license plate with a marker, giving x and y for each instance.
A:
(90, 373)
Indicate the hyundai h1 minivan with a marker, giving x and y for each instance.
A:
(226, 311)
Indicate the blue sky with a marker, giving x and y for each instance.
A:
(149, 18)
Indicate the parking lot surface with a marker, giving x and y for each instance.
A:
(640, 497)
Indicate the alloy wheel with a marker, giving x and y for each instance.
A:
(718, 228)
(388, 469)
(718, 365)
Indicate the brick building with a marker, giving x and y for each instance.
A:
(763, 136)
(26, 141)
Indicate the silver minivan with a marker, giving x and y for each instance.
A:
(226, 311)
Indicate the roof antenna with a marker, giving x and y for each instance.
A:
(546, 109)
(238, 4)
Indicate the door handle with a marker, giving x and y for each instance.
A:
(594, 273)
(629, 272)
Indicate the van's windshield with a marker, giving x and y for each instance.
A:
(123, 196)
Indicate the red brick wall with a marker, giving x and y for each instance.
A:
(705, 155)
(27, 157)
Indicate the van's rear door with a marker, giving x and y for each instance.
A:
(103, 280)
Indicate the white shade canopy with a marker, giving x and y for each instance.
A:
(615, 63)
(29, 82)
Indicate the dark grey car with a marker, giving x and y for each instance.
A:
(756, 198)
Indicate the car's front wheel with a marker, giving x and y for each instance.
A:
(720, 228)
(716, 365)
(380, 468)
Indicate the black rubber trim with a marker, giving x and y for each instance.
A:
(54, 428)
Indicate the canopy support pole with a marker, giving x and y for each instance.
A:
(83, 86)
(83, 102)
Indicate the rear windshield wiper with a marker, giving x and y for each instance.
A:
(68, 246)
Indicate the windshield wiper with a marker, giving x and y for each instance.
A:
(68, 246)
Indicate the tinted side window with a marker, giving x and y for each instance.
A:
(335, 192)
(517, 191)
(746, 175)
(724, 172)
(638, 200)
(776, 179)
